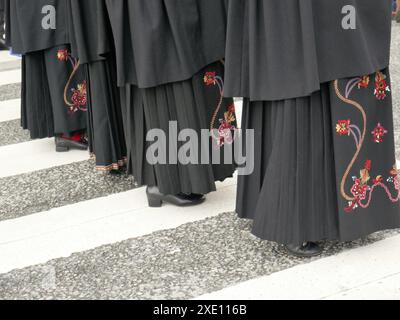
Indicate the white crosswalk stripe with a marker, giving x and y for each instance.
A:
(5, 56)
(10, 110)
(35, 155)
(10, 77)
(86, 225)
(370, 272)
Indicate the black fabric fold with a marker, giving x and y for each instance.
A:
(107, 140)
(89, 30)
(165, 41)
(310, 182)
(25, 31)
(44, 111)
(291, 196)
(285, 49)
(191, 103)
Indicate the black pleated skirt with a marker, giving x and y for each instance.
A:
(105, 130)
(192, 104)
(44, 112)
(325, 165)
(36, 110)
(291, 196)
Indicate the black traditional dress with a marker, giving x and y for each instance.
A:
(70, 85)
(54, 100)
(92, 43)
(318, 97)
(168, 57)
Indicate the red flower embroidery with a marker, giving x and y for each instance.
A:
(381, 86)
(364, 173)
(378, 133)
(226, 127)
(368, 165)
(363, 189)
(359, 190)
(343, 127)
(62, 55)
(364, 82)
(225, 133)
(210, 78)
(378, 180)
(79, 97)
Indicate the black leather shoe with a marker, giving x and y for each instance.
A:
(156, 198)
(64, 145)
(306, 250)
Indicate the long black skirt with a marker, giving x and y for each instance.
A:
(192, 104)
(105, 130)
(324, 164)
(45, 111)
(36, 107)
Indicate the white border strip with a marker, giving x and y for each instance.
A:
(5, 56)
(35, 155)
(10, 77)
(10, 110)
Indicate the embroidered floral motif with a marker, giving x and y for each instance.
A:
(381, 86)
(79, 94)
(79, 97)
(364, 82)
(378, 180)
(359, 190)
(224, 134)
(62, 55)
(343, 127)
(378, 133)
(226, 126)
(368, 166)
(210, 78)
(394, 177)
(362, 189)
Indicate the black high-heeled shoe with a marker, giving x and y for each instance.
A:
(64, 145)
(156, 198)
(306, 250)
